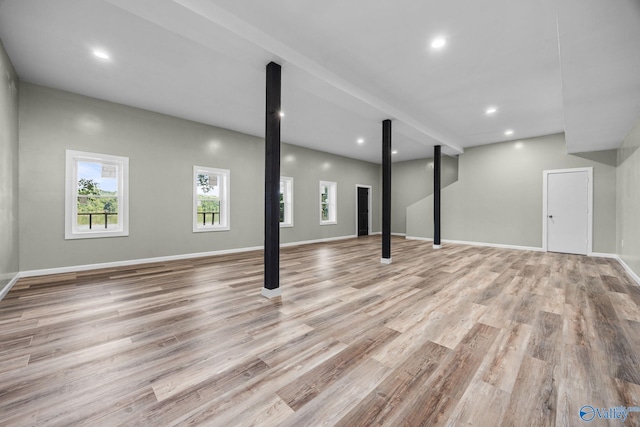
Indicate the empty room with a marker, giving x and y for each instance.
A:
(296, 213)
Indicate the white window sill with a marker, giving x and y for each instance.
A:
(208, 229)
(96, 234)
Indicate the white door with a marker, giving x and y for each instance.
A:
(568, 212)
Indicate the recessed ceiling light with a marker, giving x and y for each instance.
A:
(438, 42)
(281, 114)
(394, 152)
(491, 110)
(508, 132)
(360, 141)
(101, 54)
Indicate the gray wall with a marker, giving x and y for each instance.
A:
(491, 193)
(498, 195)
(9, 265)
(411, 182)
(308, 168)
(162, 151)
(628, 199)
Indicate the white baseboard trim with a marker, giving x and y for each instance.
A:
(426, 239)
(603, 255)
(628, 269)
(491, 245)
(309, 242)
(399, 234)
(127, 263)
(5, 290)
(631, 273)
(72, 269)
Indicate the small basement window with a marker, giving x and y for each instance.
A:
(328, 203)
(210, 199)
(96, 195)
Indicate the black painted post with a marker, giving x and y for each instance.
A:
(437, 155)
(272, 184)
(386, 192)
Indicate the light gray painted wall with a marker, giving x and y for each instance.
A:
(498, 195)
(628, 199)
(308, 168)
(162, 151)
(412, 181)
(492, 193)
(9, 263)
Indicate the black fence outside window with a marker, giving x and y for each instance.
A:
(97, 214)
(205, 215)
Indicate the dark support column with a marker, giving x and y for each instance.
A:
(272, 184)
(437, 154)
(386, 192)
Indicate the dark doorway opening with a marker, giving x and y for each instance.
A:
(363, 211)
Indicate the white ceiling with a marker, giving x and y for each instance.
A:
(548, 66)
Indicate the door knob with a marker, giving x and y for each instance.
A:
(550, 216)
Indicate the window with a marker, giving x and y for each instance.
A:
(286, 201)
(328, 202)
(96, 195)
(210, 199)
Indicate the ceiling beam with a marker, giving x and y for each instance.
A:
(282, 53)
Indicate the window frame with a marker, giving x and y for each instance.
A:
(332, 197)
(287, 199)
(225, 202)
(71, 230)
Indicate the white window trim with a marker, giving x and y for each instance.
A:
(333, 202)
(224, 207)
(71, 195)
(288, 202)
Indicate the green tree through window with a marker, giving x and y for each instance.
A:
(96, 195)
(208, 199)
(94, 200)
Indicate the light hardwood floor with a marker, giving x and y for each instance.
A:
(457, 336)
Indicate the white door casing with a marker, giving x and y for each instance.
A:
(568, 210)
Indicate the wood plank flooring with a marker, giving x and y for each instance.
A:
(457, 336)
